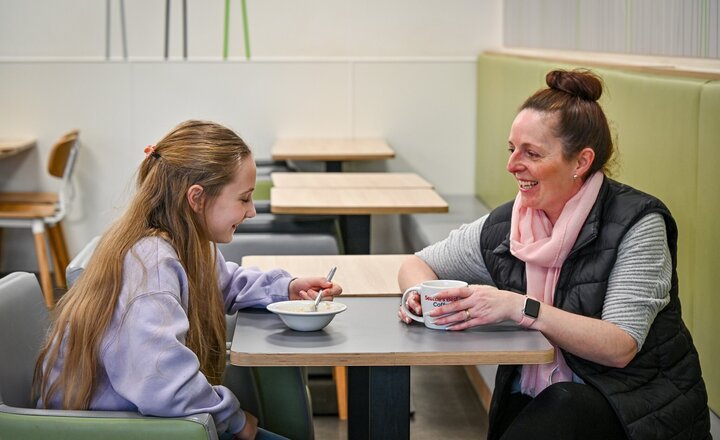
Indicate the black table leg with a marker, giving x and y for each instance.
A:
(333, 166)
(355, 230)
(379, 403)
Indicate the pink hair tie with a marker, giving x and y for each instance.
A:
(150, 151)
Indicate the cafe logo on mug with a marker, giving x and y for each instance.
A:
(439, 303)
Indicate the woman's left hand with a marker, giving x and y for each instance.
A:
(477, 305)
(308, 288)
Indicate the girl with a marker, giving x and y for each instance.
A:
(143, 328)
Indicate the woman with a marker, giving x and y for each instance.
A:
(143, 329)
(590, 263)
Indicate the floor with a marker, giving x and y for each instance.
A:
(444, 404)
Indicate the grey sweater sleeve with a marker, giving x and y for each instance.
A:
(639, 283)
(458, 257)
(638, 286)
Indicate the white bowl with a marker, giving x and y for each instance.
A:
(299, 315)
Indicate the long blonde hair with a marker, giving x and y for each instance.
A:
(194, 152)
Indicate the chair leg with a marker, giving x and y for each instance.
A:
(63, 246)
(340, 377)
(57, 271)
(59, 254)
(43, 264)
(2, 232)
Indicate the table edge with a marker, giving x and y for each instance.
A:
(333, 157)
(397, 359)
(357, 210)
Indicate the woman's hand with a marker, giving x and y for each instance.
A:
(308, 288)
(413, 304)
(478, 305)
(412, 272)
(249, 431)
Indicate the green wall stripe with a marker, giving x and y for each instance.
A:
(227, 29)
(246, 29)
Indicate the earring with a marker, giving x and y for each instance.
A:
(575, 176)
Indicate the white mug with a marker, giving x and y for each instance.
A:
(427, 291)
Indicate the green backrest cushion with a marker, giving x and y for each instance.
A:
(262, 189)
(284, 399)
(668, 140)
(40, 427)
(706, 273)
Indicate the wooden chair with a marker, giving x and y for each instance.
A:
(41, 211)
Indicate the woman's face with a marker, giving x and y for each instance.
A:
(233, 205)
(544, 177)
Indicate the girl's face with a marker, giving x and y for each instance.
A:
(544, 176)
(233, 205)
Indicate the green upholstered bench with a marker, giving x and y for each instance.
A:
(705, 273)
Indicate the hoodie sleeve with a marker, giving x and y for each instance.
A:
(250, 287)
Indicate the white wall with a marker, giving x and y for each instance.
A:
(76, 28)
(403, 70)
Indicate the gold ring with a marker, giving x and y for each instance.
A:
(467, 315)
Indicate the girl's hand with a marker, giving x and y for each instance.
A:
(308, 288)
(478, 305)
(413, 304)
(249, 431)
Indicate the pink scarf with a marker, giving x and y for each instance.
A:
(544, 248)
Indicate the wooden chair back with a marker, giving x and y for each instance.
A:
(60, 153)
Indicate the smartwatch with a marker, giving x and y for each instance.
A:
(530, 312)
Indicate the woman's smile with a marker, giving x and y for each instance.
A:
(527, 185)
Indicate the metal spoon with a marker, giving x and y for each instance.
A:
(329, 277)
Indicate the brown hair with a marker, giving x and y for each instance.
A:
(581, 122)
(194, 152)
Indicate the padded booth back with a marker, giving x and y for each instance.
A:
(705, 270)
(667, 132)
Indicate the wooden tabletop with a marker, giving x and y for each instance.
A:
(331, 149)
(359, 275)
(349, 180)
(8, 147)
(368, 333)
(354, 201)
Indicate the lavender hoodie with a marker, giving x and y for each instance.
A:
(145, 365)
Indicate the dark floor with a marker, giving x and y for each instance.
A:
(445, 406)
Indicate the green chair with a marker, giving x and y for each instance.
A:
(23, 326)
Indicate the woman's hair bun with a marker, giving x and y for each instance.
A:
(580, 82)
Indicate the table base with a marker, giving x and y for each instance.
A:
(355, 231)
(333, 166)
(388, 388)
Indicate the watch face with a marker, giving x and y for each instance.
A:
(532, 308)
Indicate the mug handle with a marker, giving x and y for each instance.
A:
(403, 304)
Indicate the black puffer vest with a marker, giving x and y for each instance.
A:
(660, 394)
